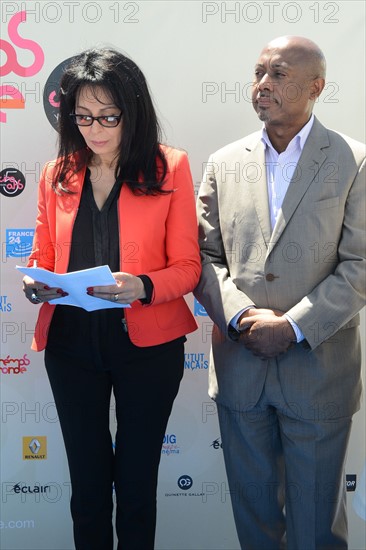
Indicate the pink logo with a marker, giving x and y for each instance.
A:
(51, 99)
(20, 365)
(13, 99)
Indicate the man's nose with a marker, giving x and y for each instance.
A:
(265, 83)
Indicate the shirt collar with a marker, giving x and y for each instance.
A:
(298, 140)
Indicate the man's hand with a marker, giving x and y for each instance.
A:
(265, 332)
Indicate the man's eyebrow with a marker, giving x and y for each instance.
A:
(280, 64)
(275, 64)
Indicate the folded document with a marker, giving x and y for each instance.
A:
(76, 283)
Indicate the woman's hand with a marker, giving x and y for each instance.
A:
(37, 292)
(128, 289)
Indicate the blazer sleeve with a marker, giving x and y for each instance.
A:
(183, 266)
(338, 298)
(43, 250)
(216, 290)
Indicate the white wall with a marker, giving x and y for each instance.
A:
(198, 58)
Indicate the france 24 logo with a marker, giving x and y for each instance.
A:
(19, 242)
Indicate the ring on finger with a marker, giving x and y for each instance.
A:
(116, 297)
(34, 297)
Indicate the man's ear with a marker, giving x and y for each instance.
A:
(316, 87)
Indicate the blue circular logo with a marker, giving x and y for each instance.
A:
(185, 482)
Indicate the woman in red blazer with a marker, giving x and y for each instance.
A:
(115, 196)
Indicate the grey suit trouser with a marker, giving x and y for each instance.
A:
(285, 473)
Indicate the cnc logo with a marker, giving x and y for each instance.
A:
(51, 93)
(35, 447)
(12, 182)
(10, 96)
(19, 242)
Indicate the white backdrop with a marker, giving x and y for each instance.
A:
(198, 58)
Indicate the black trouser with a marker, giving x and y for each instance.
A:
(145, 382)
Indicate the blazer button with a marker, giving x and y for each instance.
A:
(270, 277)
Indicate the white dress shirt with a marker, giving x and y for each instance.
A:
(280, 169)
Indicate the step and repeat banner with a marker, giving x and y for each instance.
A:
(198, 58)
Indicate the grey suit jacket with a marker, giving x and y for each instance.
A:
(312, 266)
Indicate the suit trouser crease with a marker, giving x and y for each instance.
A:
(285, 474)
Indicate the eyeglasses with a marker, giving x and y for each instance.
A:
(87, 120)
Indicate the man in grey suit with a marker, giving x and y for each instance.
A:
(282, 234)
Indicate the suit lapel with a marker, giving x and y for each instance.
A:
(255, 175)
(311, 160)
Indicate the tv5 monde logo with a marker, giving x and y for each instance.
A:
(11, 97)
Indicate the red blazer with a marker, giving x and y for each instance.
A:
(158, 237)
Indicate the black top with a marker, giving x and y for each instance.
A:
(95, 241)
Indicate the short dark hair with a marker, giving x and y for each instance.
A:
(141, 163)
